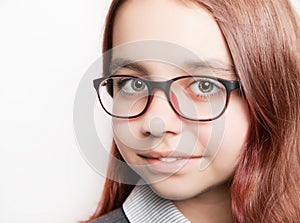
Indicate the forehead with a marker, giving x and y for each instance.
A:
(185, 24)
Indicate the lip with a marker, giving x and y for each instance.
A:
(182, 163)
(174, 154)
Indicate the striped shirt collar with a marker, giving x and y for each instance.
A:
(143, 205)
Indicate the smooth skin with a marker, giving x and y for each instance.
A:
(202, 195)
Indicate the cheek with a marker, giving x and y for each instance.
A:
(235, 134)
(127, 134)
(127, 153)
(125, 129)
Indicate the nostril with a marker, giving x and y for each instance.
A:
(157, 127)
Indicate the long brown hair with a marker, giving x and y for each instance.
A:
(264, 41)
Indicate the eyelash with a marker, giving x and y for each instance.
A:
(215, 88)
(122, 82)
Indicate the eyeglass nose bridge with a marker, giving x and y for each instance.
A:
(160, 85)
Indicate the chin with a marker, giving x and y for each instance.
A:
(170, 194)
(174, 191)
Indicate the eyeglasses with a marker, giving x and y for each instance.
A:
(195, 98)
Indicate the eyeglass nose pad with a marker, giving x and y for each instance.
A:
(157, 127)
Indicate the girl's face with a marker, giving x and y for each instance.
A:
(178, 158)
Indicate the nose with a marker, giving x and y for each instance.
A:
(157, 127)
(160, 118)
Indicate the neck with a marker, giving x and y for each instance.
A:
(212, 206)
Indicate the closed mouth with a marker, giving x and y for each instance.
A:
(170, 163)
(169, 158)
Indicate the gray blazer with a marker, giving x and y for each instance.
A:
(115, 216)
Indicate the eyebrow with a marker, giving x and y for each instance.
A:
(119, 63)
(213, 65)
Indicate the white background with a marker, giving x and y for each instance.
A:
(45, 48)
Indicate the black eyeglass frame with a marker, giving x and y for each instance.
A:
(165, 86)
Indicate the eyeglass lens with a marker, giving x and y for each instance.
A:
(191, 97)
